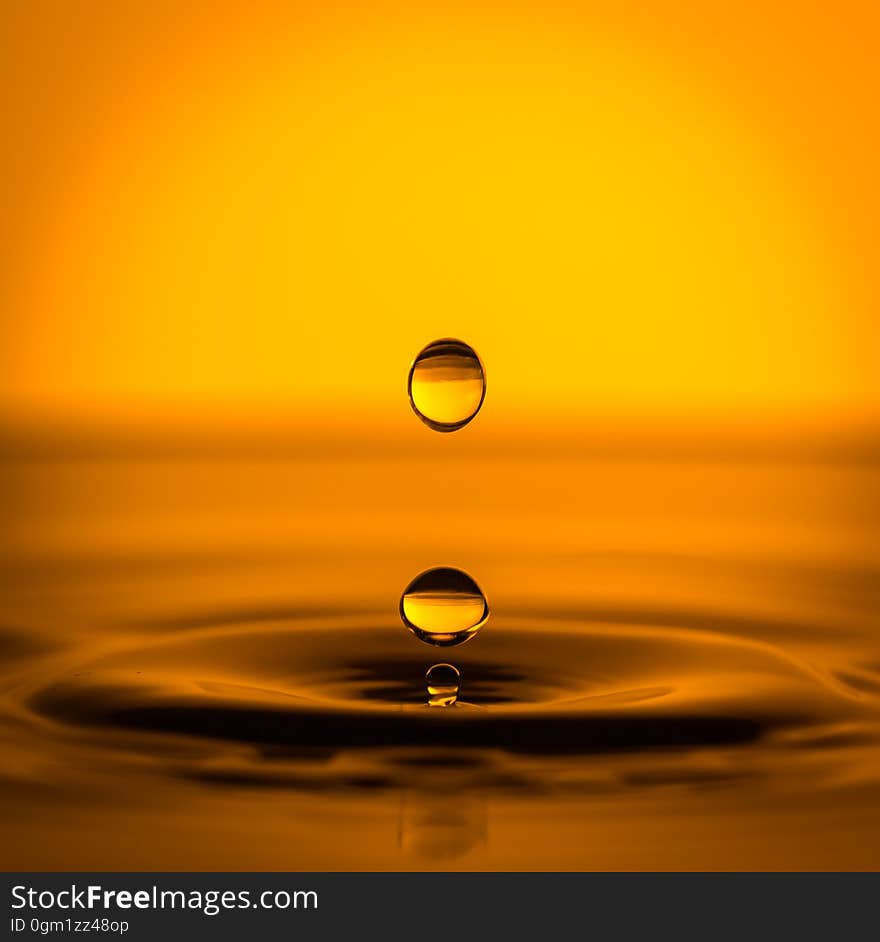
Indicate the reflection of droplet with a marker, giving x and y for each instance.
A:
(443, 606)
(439, 819)
(443, 683)
(446, 385)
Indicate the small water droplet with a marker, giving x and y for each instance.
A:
(446, 385)
(443, 682)
(443, 606)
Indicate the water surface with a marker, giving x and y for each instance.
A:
(203, 663)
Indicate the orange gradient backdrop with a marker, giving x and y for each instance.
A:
(268, 209)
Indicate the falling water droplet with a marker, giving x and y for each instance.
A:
(443, 683)
(447, 385)
(443, 606)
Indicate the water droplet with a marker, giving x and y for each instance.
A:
(443, 606)
(443, 683)
(447, 385)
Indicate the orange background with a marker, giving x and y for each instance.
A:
(226, 210)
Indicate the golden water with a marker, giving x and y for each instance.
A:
(203, 664)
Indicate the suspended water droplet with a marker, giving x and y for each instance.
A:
(443, 683)
(443, 606)
(446, 385)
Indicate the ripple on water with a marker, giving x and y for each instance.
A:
(562, 706)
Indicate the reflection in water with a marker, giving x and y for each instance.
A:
(441, 824)
(443, 682)
(446, 385)
(443, 606)
(182, 687)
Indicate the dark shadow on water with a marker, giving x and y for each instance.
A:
(327, 730)
(484, 682)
